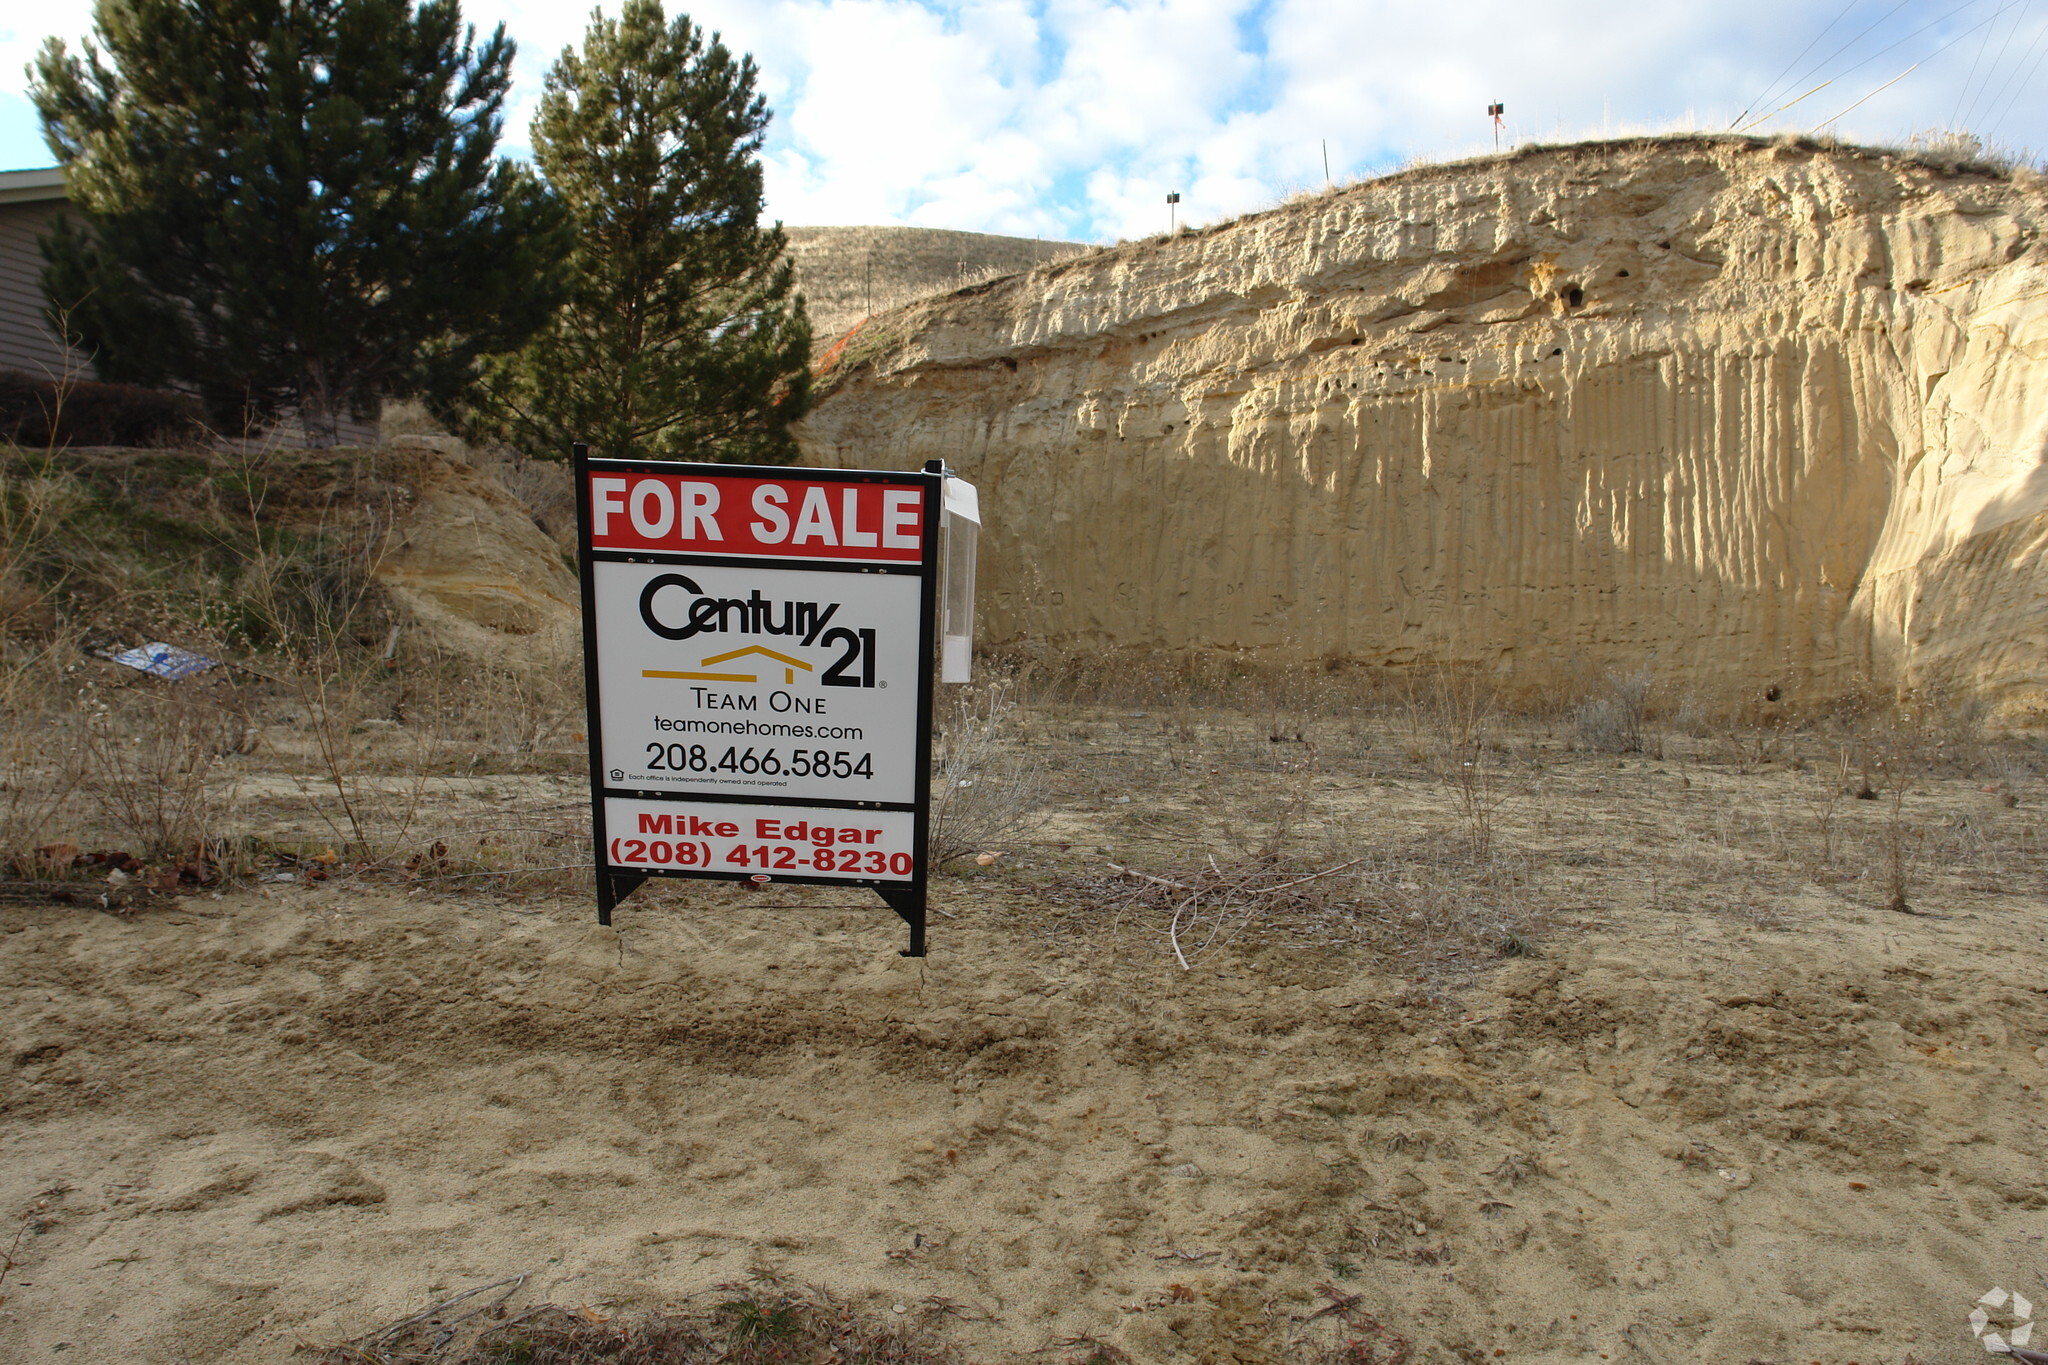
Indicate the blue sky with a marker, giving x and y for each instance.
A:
(1072, 119)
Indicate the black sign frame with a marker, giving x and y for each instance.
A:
(907, 898)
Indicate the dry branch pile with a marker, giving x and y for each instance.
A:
(1405, 909)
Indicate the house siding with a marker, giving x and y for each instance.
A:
(26, 341)
(28, 344)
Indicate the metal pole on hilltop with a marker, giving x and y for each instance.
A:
(1494, 111)
(1172, 214)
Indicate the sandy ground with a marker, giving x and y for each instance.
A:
(1733, 1111)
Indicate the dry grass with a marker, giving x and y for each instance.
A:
(1198, 811)
(1612, 720)
(1407, 909)
(1453, 713)
(767, 1321)
(987, 789)
(317, 748)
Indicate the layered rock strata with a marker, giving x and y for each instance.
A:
(1766, 418)
(848, 273)
(466, 563)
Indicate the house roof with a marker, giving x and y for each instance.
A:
(27, 187)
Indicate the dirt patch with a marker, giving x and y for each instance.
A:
(1730, 1109)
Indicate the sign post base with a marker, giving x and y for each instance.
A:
(613, 887)
(908, 901)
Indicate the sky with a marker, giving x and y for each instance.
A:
(1073, 119)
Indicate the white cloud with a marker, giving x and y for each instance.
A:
(1075, 117)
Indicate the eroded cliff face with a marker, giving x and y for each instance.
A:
(469, 567)
(1762, 417)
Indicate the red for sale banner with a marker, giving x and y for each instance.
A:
(753, 517)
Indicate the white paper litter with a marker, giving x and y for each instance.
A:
(164, 661)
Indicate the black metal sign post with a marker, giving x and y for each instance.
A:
(757, 648)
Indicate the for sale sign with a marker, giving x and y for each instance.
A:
(757, 648)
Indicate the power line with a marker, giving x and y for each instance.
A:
(1991, 19)
(1955, 116)
(1970, 113)
(1821, 65)
(1794, 62)
(1762, 119)
(2043, 32)
(1930, 24)
(1886, 86)
(2010, 76)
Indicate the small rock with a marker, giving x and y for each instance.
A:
(1187, 1170)
(899, 1308)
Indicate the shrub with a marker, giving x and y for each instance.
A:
(40, 413)
(986, 789)
(1612, 722)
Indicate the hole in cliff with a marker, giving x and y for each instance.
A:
(1621, 274)
(1664, 246)
(1557, 350)
(1575, 297)
(1356, 340)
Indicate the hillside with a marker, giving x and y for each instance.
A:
(847, 273)
(1755, 415)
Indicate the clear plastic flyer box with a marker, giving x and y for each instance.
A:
(960, 530)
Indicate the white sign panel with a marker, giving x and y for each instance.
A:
(758, 680)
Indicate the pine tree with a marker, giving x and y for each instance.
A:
(681, 336)
(291, 205)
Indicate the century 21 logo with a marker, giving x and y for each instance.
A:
(756, 615)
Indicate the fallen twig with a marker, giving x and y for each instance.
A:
(1328, 872)
(1340, 1304)
(1148, 877)
(390, 1334)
